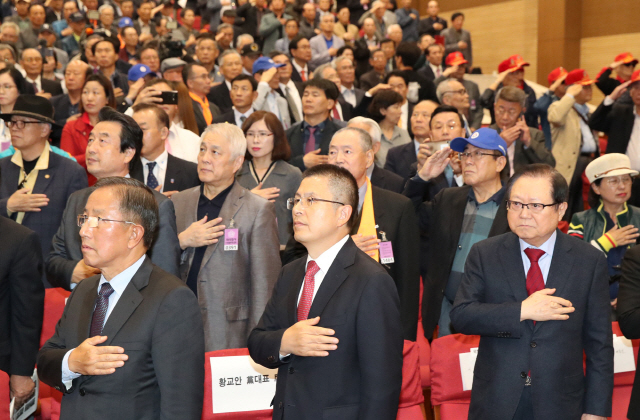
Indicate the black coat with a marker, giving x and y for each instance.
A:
(296, 141)
(357, 299)
(228, 117)
(197, 112)
(617, 122)
(221, 97)
(387, 180)
(51, 86)
(21, 298)
(629, 315)
(400, 158)
(179, 176)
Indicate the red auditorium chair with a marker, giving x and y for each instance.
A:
(623, 383)
(446, 380)
(207, 410)
(411, 397)
(4, 396)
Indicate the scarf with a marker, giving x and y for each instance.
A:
(206, 111)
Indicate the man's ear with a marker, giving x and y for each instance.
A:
(137, 235)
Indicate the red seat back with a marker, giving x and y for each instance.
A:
(446, 379)
(5, 392)
(54, 301)
(625, 378)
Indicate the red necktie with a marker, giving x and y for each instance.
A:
(304, 79)
(307, 291)
(535, 281)
(336, 114)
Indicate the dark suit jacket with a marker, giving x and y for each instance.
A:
(427, 72)
(58, 182)
(629, 315)
(617, 121)
(51, 86)
(441, 224)
(165, 362)
(228, 117)
(21, 298)
(348, 111)
(387, 180)
(179, 176)
(220, 97)
(249, 13)
(295, 76)
(400, 159)
(355, 295)
(296, 141)
(66, 249)
(61, 105)
(488, 304)
(370, 79)
(152, 27)
(197, 112)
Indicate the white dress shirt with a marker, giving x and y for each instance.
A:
(159, 170)
(437, 70)
(324, 262)
(183, 144)
(404, 118)
(291, 90)
(118, 283)
(38, 83)
(299, 69)
(545, 261)
(237, 115)
(349, 95)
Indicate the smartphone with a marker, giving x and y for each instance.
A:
(169, 97)
(93, 15)
(172, 25)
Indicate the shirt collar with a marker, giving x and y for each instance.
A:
(238, 114)
(362, 191)
(370, 171)
(547, 247)
(122, 280)
(43, 159)
(161, 160)
(325, 259)
(497, 197)
(320, 126)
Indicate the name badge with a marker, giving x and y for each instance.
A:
(231, 238)
(386, 250)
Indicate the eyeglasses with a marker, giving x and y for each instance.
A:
(308, 202)
(512, 112)
(459, 92)
(615, 181)
(532, 207)
(94, 221)
(8, 87)
(19, 124)
(259, 135)
(475, 155)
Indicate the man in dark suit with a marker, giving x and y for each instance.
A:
(251, 15)
(406, 58)
(160, 170)
(21, 306)
(539, 299)
(456, 218)
(433, 68)
(122, 332)
(36, 183)
(629, 315)
(309, 139)
(300, 52)
(376, 76)
(32, 61)
(243, 94)
(196, 78)
(230, 67)
(344, 295)
(65, 265)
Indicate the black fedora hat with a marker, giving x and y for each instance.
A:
(32, 106)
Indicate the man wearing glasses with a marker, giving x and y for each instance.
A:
(457, 218)
(36, 182)
(197, 79)
(134, 329)
(539, 299)
(332, 326)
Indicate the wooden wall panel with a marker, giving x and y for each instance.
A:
(500, 30)
(609, 17)
(455, 5)
(598, 52)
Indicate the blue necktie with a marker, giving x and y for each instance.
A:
(99, 313)
(152, 181)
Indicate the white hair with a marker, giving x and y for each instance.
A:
(230, 132)
(11, 25)
(228, 52)
(444, 88)
(337, 61)
(374, 129)
(105, 7)
(243, 37)
(392, 27)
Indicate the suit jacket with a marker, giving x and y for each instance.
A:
(61, 105)
(617, 121)
(629, 314)
(319, 50)
(441, 225)
(371, 79)
(66, 245)
(296, 141)
(261, 104)
(152, 26)
(249, 13)
(451, 39)
(62, 178)
(535, 153)
(197, 112)
(165, 362)
(400, 159)
(387, 180)
(228, 117)
(355, 295)
(488, 304)
(21, 298)
(51, 86)
(179, 176)
(271, 30)
(233, 286)
(221, 97)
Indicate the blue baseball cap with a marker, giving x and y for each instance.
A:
(138, 71)
(125, 22)
(264, 63)
(483, 138)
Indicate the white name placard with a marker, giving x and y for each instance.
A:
(467, 364)
(623, 360)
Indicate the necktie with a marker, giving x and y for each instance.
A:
(311, 143)
(292, 105)
(35, 87)
(336, 114)
(307, 292)
(304, 79)
(204, 104)
(152, 181)
(535, 280)
(438, 72)
(102, 304)
(242, 120)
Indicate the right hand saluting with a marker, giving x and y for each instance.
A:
(618, 91)
(314, 158)
(21, 200)
(304, 339)
(435, 165)
(201, 233)
(541, 306)
(90, 359)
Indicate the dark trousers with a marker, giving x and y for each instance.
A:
(576, 202)
(525, 406)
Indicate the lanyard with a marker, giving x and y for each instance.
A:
(255, 173)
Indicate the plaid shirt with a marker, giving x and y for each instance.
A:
(478, 218)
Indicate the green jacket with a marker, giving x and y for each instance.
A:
(590, 225)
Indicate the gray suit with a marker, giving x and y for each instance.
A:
(66, 249)
(233, 286)
(451, 39)
(271, 30)
(287, 178)
(319, 50)
(261, 104)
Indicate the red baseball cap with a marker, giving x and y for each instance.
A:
(578, 77)
(556, 74)
(635, 77)
(626, 58)
(455, 59)
(515, 62)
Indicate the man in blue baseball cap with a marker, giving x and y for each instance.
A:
(458, 217)
(269, 99)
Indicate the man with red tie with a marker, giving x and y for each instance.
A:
(539, 299)
(332, 326)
